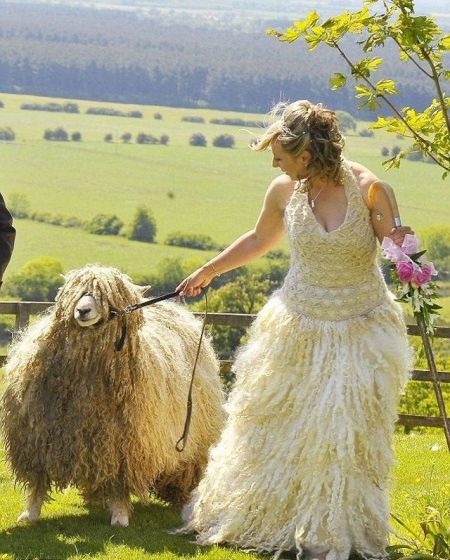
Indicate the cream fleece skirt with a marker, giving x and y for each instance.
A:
(304, 459)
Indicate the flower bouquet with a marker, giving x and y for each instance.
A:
(412, 277)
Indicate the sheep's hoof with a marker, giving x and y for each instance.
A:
(119, 520)
(28, 517)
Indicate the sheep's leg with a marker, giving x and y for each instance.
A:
(35, 499)
(175, 487)
(120, 508)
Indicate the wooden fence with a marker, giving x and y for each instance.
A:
(23, 310)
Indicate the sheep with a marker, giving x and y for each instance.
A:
(76, 411)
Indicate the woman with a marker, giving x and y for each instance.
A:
(303, 462)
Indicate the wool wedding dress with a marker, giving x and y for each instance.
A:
(304, 459)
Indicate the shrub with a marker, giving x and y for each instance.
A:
(126, 137)
(1, 104)
(396, 150)
(19, 205)
(104, 224)
(7, 134)
(75, 136)
(237, 122)
(367, 133)
(39, 216)
(385, 151)
(108, 137)
(113, 112)
(223, 141)
(193, 119)
(143, 138)
(346, 121)
(170, 194)
(158, 116)
(192, 240)
(58, 135)
(38, 280)
(164, 139)
(197, 139)
(143, 226)
(72, 222)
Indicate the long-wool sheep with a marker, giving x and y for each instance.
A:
(76, 411)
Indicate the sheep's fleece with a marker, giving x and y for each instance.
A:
(77, 412)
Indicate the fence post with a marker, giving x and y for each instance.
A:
(22, 315)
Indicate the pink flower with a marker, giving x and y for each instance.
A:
(410, 244)
(423, 275)
(392, 251)
(406, 271)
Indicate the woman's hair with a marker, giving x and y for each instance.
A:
(305, 126)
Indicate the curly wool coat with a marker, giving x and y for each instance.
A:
(77, 412)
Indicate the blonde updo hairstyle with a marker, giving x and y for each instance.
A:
(304, 126)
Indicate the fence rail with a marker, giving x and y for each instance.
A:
(23, 310)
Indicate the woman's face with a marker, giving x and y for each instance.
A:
(294, 166)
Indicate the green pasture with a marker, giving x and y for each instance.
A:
(213, 191)
(68, 530)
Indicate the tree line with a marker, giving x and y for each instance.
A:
(117, 56)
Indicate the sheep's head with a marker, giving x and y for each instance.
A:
(91, 295)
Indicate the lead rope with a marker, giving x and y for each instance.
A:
(120, 315)
(181, 443)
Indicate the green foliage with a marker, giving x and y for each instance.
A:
(164, 139)
(113, 112)
(197, 139)
(143, 138)
(420, 42)
(7, 134)
(126, 137)
(104, 224)
(58, 134)
(108, 137)
(193, 119)
(143, 226)
(346, 121)
(75, 136)
(192, 240)
(51, 107)
(18, 204)
(429, 540)
(37, 280)
(224, 141)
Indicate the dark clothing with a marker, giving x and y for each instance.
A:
(7, 237)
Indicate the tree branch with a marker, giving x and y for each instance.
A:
(423, 142)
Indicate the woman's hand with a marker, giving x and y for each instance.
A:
(398, 234)
(193, 284)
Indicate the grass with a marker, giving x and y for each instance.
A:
(68, 530)
(216, 191)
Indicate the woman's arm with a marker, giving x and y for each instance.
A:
(380, 199)
(267, 233)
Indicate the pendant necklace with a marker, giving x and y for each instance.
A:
(313, 200)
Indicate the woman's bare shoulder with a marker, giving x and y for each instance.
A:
(281, 190)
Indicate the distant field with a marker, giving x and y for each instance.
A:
(215, 191)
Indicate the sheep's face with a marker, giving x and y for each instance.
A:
(86, 311)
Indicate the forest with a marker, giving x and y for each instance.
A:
(113, 55)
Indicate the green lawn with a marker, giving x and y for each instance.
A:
(68, 530)
(209, 190)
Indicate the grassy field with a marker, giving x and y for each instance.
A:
(209, 190)
(67, 530)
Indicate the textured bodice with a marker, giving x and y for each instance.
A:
(333, 275)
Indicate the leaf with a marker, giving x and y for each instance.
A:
(444, 43)
(337, 81)
(386, 86)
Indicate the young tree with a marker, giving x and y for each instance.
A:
(38, 280)
(197, 139)
(143, 226)
(420, 42)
